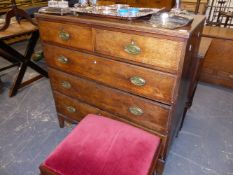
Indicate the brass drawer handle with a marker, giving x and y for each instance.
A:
(137, 81)
(132, 48)
(136, 111)
(70, 109)
(65, 36)
(66, 84)
(62, 59)
(231, 76)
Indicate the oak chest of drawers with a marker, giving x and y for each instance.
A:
(126, 70)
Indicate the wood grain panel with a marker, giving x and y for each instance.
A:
(155, 116)
(161, 53)
(158, 85)
(218, 63)
(80, 36)
(81, 109)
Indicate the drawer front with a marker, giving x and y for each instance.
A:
(66, 34)
(135, 109)
(161, 53)
(141, 81)
(74, 109)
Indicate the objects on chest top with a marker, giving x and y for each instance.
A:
(56, 7)
(157, 18)
(120, 11)
(171, 20)
(58, 4)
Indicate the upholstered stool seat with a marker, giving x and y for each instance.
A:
(102, 146)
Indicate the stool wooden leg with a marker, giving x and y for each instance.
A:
(46, 171)
(159, 167)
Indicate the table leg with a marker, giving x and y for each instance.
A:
(7, 56)
(18, 80)
(10, 54)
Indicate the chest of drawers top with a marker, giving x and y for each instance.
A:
(130, 41)
(126, 25)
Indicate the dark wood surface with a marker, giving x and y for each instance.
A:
(204, 47)
(94, 76)
(217, 64)
(218, 32)
(192, 67)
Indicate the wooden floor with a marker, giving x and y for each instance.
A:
(29, 130)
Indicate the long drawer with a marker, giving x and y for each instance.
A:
(78, 36)
(75, 110)
(152, 84)
(133, 108)
(161, 53)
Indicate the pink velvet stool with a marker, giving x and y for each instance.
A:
(102, 146)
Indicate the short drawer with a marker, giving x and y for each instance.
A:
(67, 34)
(161, 53)
(135, 109)
(145, 82)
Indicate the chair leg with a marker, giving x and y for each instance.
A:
(61, 121)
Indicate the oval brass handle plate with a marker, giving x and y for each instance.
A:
(231, 76)
(136, 111)
(137, 81)
(65, 36)
(63, 59)
(70, 109)
(132, 48)
(66, 84)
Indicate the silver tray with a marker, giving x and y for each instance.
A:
(173, 21)
(111, 11)
(55, 11)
